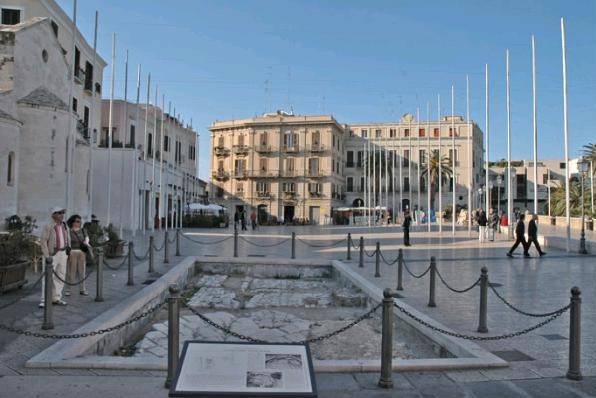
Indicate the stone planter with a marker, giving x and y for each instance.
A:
(12, 276)
(114, 249)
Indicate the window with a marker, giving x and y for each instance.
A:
(361, 189)
(422, 156)
(350, 159)
(77, 62)
(263, 139)
(131, 139)
(166, 143)
(406, 184)
(291, 141)
(314, 187)
(451, 159)
(545, 178)
(288, 187)
(220, 166)
(406, 158)
(333, 140)
(88, 76)
(86, 120)
(220, 141)
(378, 133)
(11, 16)
(239, 167)
(392, 133)
(263, 164)
(406, 132)
(10, 176)
(350, 184)
(316, 138)
(364, 133)
(289, 164)
(262, 187)
(360, 156)
(562, 165)
(313, 166)
(239, 189)
(75, 104)
(421, 133)
(436, 132)
(150, 144)
(452, 130)
(241, 140)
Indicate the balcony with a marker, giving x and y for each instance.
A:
(79, 75)
(315, 193)
(263, 174)
(240, 174)
(290, 148)
(264, 148)
(221, 175)
(290, 173)
(241, 149)
(221, 151)
(240, 194)
(315, 173)
(265, 195)
(316, 148)
(289, 195)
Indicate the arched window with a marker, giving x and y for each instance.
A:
(11, 166)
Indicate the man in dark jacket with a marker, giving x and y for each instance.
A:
(406, 227)
(533, 235)
(482, 221)
(519, 237)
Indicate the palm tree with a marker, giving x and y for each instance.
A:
(590, 155)
(557, 200)
(432, 164)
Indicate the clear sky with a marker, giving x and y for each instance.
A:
(360, 61)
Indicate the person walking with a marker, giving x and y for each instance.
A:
(253, 220)
(77, 261)
(493, 224)
(55, 243)
(406, 226)
(482, 221)
(533, 235)
(519, 237)
(236, 220)
(243, 220)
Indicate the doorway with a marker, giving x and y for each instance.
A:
(314, 214)
(288, 214)
(262, 214)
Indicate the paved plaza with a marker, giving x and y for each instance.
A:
(538, 360)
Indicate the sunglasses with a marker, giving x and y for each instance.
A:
(60, 212)
(77, 221)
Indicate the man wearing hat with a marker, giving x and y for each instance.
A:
(55, 243)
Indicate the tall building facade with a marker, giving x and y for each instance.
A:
(48, 94)
(306, 167)
(283, 166)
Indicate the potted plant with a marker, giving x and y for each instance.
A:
(18, 249)
(114, 246)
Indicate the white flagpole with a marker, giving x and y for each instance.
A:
(380, 177)
(470, 154)
(428, 155)
(386, 183)
(509, 177)
(418, 163)
(393, 158)
(401, 179)
(153, 190)
(486, 199)
(440, 215)
(71, 140)
(133, 188)
(453, 173)
(374, 185)
(123, 140)
(566, 133)
(91, 121)
(110, 127)
(535, 126)
(145, 148)
(364, 180)
(368, 170)
(410, 167)
(161, 156)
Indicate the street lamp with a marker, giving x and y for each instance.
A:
(480, 197)
(582, 166)
(499, 182)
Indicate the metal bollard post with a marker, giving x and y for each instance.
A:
(178, 243)
(236, 242)
(574, 372)
(130, 281)
(293, 254)
(99, 280)
(386, 381)
(349, 257)
(48, 311)
(378, 260)
(166, 250)
(400, 271)
(433, 276)
(361, 260)
(483, 300)
(173, 333)
(151, 255)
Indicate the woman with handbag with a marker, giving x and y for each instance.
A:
(77, 261)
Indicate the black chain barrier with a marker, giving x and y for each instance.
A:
(356, 247)
(508, 304)
(557, 314)
(141, 258)
(227, 331)
(388, 262)
(325, 245)
(115, 267)
(23, 292)
(414, 275)
(171, 242)
(207, 243)
(374, 252)
(85, 334)
(72, 283)
(476, 283)
(162, 246)
(259, 245)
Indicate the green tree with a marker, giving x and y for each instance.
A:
(557, 200)
(431, 167)
(589, 153)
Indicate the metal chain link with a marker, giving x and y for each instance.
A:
(23, 292)
(372, 254)
(139, 258)
(271, 245)
(326, 245)
(508, 304)
(162, 246)
(356, 247)
(227, 331)
(456, 290)
(171, 242)
(72, 283)
(388, 262)
(557, 314)
(85, 334)
(207, 243)
(414, 275)
(115, 267)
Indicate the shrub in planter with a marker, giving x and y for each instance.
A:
(17, 250)
(114, 247)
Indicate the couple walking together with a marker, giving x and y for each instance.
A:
(532, 236)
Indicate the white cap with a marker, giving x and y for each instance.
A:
(57, 209)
